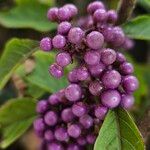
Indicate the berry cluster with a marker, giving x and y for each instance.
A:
(65, 125)
(102, 79)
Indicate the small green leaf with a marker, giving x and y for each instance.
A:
(15, 52)
(138, 28)
(27, 14)
(119, 132)
(41, 77)
(16, 116)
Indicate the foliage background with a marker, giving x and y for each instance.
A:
(26, 19)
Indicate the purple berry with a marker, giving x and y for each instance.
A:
(61, 95)
(59, 41)
(72, 76)
(64, 14)
(97, 121)
(95, 40)
(86, 121)
(92, 57)
(39, 133)
(63, 59)
(75, 35)
(127, 101)
(39, 124)
(110, 98)
(100, 112)
(73, 147)
(107, 33)
(48, 135)
(72, 8)
(85, 22)
(46, 44)
(52, 14)
(55, 146)
(43, 145)
(128, 44)
(42, 106)
(74, 130)
(79, 109)
(56, 71)
(82, 74)
(54, 99)
(100, 15)
(61, 134)
(92, 7)
(108, 56)
(118, 37)
(64, 27)
(51, 118)
(130, 83)
(111, 79)
(120, 58)
(96, 70)
(67, 115)
(81, 141)
(95, 88)
(112, 16)
(91, 138)
(126, 68)
(73, 92)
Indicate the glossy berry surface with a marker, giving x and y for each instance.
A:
(73, 92)
(56, 71)
(74, 130)
(63, 59)
(95, 40)
(46, 44)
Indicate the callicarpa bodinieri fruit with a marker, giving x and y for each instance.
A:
(101, 80)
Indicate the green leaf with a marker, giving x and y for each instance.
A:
(15, 52)
(138, 28)
(16, 116)
(145, 4)
(31, 90)
(13, 132)
(27, 14)
(41, 77)
(119, 132)
(34, 91)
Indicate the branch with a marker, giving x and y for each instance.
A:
(125, 10)
(144, 126)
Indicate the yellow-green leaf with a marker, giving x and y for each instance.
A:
(15, 52)
(16, 116)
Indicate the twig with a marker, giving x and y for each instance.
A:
(125, 10)
(144, 126)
